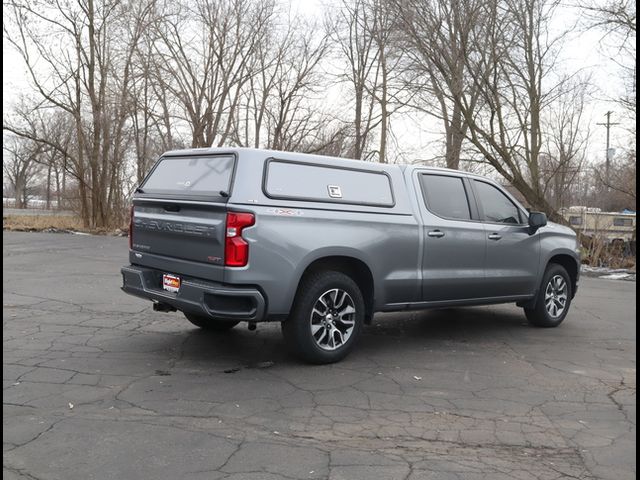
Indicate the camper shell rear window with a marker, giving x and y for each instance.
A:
(292, 180)
(192, 176)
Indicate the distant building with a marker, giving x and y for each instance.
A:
(594, 222)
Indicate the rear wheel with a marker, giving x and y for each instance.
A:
(326, 319)
(554, 298)
(210, 324)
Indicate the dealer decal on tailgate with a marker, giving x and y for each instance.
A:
(170, 283)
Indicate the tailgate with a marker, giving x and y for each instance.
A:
(179, 216)
(182, 231)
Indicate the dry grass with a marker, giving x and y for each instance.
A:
(599, 252)
(44, 223)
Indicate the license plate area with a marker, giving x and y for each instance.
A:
(171, 283)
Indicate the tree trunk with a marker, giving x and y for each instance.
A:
(49, 186)
(358, 147)
(58, 197)
(384, 114)
(455, 137)
(19, 193)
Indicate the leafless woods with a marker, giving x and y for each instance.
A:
(114, 83)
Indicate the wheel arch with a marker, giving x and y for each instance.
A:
(570, 264)
(566, 260)
(355, 268)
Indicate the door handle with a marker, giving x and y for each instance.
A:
(436, 233)
(495, 236)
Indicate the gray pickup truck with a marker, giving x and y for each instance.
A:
(320, 244)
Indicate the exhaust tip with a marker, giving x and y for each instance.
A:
(163, 307)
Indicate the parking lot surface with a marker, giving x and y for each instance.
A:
(98, 386)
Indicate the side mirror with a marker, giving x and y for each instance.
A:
(536, 220)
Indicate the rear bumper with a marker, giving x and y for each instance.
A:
(199, 297)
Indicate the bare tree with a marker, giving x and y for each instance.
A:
(20, 167)
(272, 52)
(351, 31)
(565, 139)
(616, 19)
(513, 64)
(619, 191)
(291, 117)
(366, 36)
(151, 122)
(116, 83)
(279, 109)
(207, 55)
(438, 41)
(84, 75)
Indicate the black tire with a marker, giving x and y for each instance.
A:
(541, 316)
(333, 327)
(210, 324)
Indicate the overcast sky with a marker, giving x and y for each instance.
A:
(420, 136)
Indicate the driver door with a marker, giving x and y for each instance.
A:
(513, 255)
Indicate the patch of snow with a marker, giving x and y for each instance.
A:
(587, 268)
(609, 273)
(616, 276)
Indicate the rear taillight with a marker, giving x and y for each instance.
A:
(236, 252)
(131, 228)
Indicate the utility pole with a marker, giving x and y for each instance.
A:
(608, 125)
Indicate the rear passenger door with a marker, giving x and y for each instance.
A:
(454, 239)
(513, 255)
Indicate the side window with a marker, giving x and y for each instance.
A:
(622, 222)
(325, 183)
(445, 196)
(496, 205)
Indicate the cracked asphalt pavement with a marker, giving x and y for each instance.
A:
(98, 386)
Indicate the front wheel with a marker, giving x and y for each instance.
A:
(326, 319)
(210, 324)
(554, 298)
